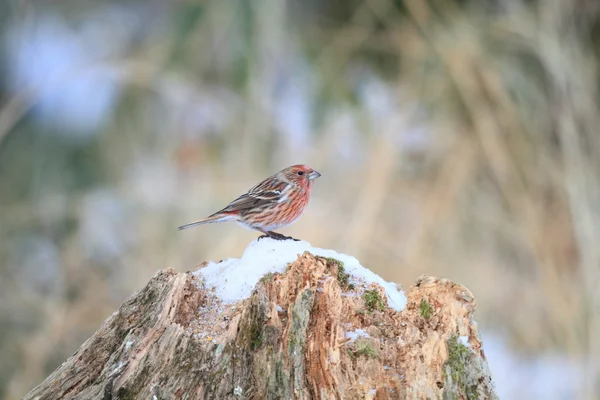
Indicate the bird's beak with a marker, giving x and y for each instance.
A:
(313, 175)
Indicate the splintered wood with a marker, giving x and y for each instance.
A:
(304, 334)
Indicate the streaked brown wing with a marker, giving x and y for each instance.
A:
(270, 184)
(248, 201)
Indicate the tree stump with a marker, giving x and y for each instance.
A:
(305, 333)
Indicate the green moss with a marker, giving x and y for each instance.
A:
(278, 381)
(373, 300)
(184, 360)
(253, 329)
(456, 370)
(342, 276)
(365, 348)
(266, 277)
(350, 353)
(125, 394)
(362, 347)
(300, 318)
(426, 309)
(256, 334)
(472, 392)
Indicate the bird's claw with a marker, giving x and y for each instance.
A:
(277, 236)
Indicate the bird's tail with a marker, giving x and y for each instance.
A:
(209, 220)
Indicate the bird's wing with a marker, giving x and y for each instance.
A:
(248, 201)
(258, 197)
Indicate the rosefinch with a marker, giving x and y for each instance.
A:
(275, 203)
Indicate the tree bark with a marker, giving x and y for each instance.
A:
(298, 336)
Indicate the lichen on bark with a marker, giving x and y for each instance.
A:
(297, 336)
(466, 377)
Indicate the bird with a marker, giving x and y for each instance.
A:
(276, 202)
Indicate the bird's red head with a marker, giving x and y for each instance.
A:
(301, 175)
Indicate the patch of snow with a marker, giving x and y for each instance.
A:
(464, 340)
(278, 308)
(117, 368)
(238, 391)
(373, 392)
(234, 279)
(128, 345)
(121, 363)
(355, 334)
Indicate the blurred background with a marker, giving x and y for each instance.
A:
(455, 138)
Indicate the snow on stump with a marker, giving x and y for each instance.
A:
(286, 321)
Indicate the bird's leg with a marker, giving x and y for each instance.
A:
(264, 235)
(279, 236)
(274, 236)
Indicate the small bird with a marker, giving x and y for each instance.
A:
(274, 203)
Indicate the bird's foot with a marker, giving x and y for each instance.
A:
(277, 236)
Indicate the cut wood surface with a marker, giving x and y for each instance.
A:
(306, 333)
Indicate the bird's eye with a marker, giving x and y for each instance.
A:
(300, 172)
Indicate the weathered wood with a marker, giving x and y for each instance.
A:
(175, 340)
